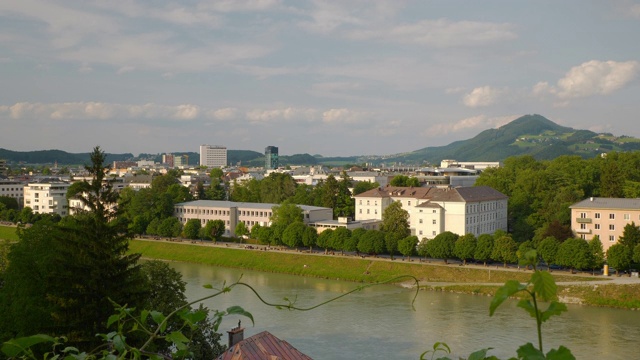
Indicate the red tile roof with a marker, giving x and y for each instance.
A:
(263, 346)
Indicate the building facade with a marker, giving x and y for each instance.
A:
(271, 158)
(213, 156)
(12, 189)
(232, 213)
(47, 197)
(604, 217)
(433, 210)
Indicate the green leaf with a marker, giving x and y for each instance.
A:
(238, 310)
(555, 308)
(529, 352)
(113, 318)
(207, 286)
(176, 337)
(508, 289)
(561, 354)
(544, 285)
(157, 316)
(119, 343)
(479, 355)
(14, 347)
(528, 306)
(143, 316)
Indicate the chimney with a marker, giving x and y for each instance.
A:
(235, 335)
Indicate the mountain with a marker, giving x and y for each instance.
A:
(532, 135)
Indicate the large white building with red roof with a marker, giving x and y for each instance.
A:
(432, 210)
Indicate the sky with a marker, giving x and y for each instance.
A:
(336, 78)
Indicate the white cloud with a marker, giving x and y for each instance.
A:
(287, 114)
(440, 33)
(85, 68)
(125, 69)
(634, 10)
(483, 96)
(590, 78)
(480, 122)
(223, 114)
(341, 116)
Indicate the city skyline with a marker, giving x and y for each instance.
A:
(330, 78)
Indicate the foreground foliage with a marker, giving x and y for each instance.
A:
(540, 287)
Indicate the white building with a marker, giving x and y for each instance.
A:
(463, 210)
(233, 213)
(213, 156)
(12, 189)
(47, 197)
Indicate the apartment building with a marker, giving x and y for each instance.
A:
(605, 217)
(433, 210)
(213, 156)
(233, 213)
(12, 189)
(47, 197)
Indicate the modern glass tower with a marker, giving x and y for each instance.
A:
(271, 157)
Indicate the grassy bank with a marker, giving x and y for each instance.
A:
(347, 268)
(8, 233)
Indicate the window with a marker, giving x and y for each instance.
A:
(627, 217)
(583, 215)
(612, 227)
(409, 203)
(420, 232)
(583, 226)
(367, 211)
(433, 222)
(360, 211)
(612, 216)
(433, 233)
(420, 221)
(612, 238)
(583, 237)
(597, 226)
(434, 211)
(597, 215)
(367, 202)
(359, 202)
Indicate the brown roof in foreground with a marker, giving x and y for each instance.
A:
(263, 346)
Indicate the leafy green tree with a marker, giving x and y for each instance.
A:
(9, 202)
(154, 226)
(597, 253)
(215, 191)
(395, 223)
(423, 250)
(160, 184)
(41, 296)
(262, 234)
(26, 215)
(170, 227)
(277, 231)
(522, 251)
(611, 183)
(630, 236)
(310, 237)
(324, 240)
(192, 229)
(465, 247)
(404, 181)
(179, 193)
(286, 213)
(345, 203)
(548, 248)
(362, 186)
(484, 248)
(574, 254)
(241, 230)
(619, 257)
(338, 239)
(276, 188)
(504, 250)
(636, 254)
(214, 229)
(292, 235)
(407, 246)
(216, 173)
(391, 244)
(356, 235)
(441, 247)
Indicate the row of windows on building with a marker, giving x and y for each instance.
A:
(612, 238)
(612, 216)
(482, 207)
(222, 212)
(489, 228)
(481, 218)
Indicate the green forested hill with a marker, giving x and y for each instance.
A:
(532, 135)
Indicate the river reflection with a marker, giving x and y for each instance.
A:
(379, 322)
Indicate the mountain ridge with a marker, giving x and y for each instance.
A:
(531, 134)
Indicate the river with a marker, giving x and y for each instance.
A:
(380, 323)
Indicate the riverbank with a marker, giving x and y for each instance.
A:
(479, 280)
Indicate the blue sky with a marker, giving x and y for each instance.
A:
(318, 77)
